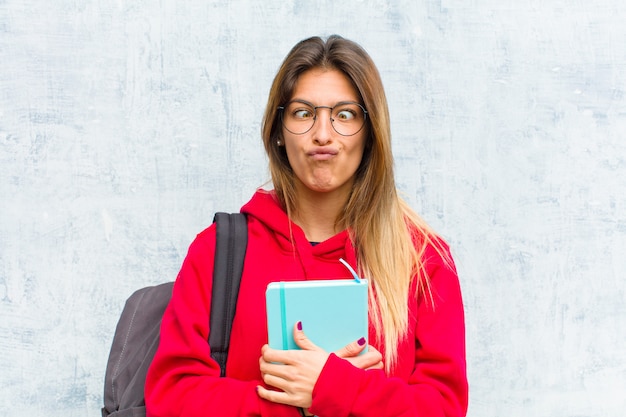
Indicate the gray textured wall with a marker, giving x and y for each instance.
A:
(125, 124)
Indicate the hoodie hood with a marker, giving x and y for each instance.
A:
(265, 212)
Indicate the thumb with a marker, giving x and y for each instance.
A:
(301, 340)
(352, 349)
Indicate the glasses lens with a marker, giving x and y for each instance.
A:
(347, 118)
(298, 118)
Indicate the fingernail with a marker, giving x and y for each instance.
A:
(299, 325)
(361, 341)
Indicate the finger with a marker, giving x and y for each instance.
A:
(281, 397)
(372, 349)
(372, 359)
(279, 357)
(273, 367)
(275, 381)
(302, 341)
(273, 396)
(376, 355)
(275, 356)
(360, 363)
(278, 376)
(352, 349)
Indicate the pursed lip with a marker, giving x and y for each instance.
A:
(322, 154)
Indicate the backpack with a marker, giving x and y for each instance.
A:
(137, 333)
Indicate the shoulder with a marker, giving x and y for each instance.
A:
(434, 254)
(437, 255)
(202, 244)
(205, 242)
(431, 247)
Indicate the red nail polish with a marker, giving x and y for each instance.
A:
(361, 341)
(299, 325)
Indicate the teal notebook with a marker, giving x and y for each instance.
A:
(333, 312)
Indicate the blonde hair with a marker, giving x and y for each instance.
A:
(389, 237)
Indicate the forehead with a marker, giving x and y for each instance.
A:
(324, 87)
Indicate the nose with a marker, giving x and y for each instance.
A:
(323, 126)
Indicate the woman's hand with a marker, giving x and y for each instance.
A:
(293, 372)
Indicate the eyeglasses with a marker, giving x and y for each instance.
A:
(347, 117)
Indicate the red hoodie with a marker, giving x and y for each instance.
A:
(428, 381)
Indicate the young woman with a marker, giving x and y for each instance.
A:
(326, 132)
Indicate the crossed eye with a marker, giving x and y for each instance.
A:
(347, 118)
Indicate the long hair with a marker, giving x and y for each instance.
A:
(388, 236)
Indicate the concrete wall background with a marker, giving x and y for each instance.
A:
(125, 125)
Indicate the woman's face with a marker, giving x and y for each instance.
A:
(323, 160)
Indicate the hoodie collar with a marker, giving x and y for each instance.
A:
(265, 208)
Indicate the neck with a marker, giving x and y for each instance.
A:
(317, 214)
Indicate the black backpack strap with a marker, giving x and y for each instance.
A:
(230, 251)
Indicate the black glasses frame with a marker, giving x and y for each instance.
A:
(341, 103)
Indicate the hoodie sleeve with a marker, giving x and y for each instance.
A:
(437, 386)
(183, 379)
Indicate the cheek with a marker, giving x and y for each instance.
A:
(291, 150)
(358, 148)
(288, 145)
(360, 153)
